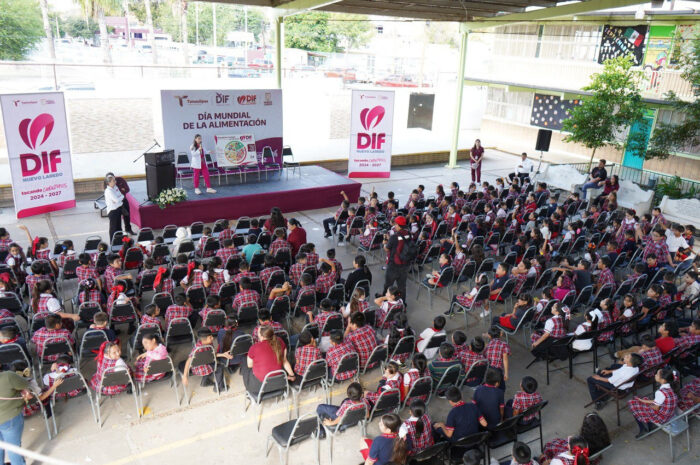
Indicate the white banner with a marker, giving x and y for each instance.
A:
(36, 132)
(371, 130)
(236, 150)
(214, 112)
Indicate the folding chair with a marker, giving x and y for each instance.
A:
(215, 317)
(435, 341)
(122, 311)
(535, 423)
(34, 400)
(316, 375)
(227, 292)
(71, 382)
(389, 401)
(351, 417)
(135, 345)
(349, 363)
(616, 393)
(405, 347)
(502, 434)
(12, 352)
(304, 299)
(110, 378)
(377, 358)
(197, 296)
(241, 345)
(443, 282)
(54, 346)
(162, 300)
(179, 332)
(91, 243)
(473, 441)
(157, 367)
(168, 233)
(482, 295)
(524, 322)
(337, 294)
(475, 375)
(676, 426)
(465, 275)
(274, 385)
(203, 355)
(449, 378)
(90, 343)
(430, 454)
(68, 274)
(422, 387)
(293, 432)
(134, 256)
(247, 314)
(287, 153)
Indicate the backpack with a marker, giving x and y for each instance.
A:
(407, 251)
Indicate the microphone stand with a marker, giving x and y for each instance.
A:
(155, 142)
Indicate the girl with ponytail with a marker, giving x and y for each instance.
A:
(577, 453)
(388, 447)
(418, 428)
(652, 412)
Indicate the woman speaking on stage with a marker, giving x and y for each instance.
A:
(199, 165)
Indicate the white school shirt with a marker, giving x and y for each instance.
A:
(659, 396)
(621, 375)
(205, 275)
(52, 305)
(425, 337)
(113, 198)
(582, 344)
(403, 430)
(674, 243)
(557, 461)
(690, 291)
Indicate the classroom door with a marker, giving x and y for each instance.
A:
(634, 157)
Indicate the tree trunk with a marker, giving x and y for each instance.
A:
(151, 34)
(590, 162)
(213, 22)
(183, 31)
(128, 29)
(47, 28)
(104, 36)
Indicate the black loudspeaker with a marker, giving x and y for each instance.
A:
(159, 178)
(166, 157)
(544, 137)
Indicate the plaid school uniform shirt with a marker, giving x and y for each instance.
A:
(363, 340)
(200, 247)
(303, 290)
(227, 233)
(321, 318)
(386, 308)
(660, 249)
(684, 400)
(494, 352)
(419, 442)
(62, 258)
(271, 324)
(686, 341)
(244, 298)
(305, 356)
(195, 279)
(334, 355)
(109, 275)
(311, 259)
(43, 254)
(166, 285)
(202, 370)
(176, 311)
(466, 357)
(664, 301)
(86, 272)
(5, 244)
(367, 237)
(225, 253)
(523, 401)
(5, 314)
(650, 358)
(45, 335)
(93, 295)
(391, 383)
(32, 279)
(645, 413)
(604, 323)
(325, 282)
(267, 272)
(348, 405)
(410, 378)
(458, 262)
(606, 277)
(279, 244)
(107, 364)
(295, 272)
(216, 280)
(243, 274)
(42, 308)
(148, 320)
(203, 315)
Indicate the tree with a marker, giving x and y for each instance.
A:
(151, 35)
(318, 31)
(77, 27)
(670, 138)
(20, 28)
(605, 116)
(47, 28)
(98, 9)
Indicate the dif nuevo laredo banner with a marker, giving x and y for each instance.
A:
(36, 132)
(371, 130)
(216, 112)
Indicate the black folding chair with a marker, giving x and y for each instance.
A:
(293, 432)
(274, 385)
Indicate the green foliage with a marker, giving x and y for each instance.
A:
(77, 27)
(317, 31)
(670, 138)
(615, 104)
(674, 189)
(21, 28)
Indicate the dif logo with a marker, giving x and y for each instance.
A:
(246, 99)
(34, 133)
(221, 99)
(370, 118)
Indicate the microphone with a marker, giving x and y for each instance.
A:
(156, 142)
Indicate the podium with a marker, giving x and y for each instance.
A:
(160, 172)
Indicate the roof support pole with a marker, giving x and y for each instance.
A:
(279, 46)
(458, 102)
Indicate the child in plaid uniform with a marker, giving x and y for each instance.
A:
(387, 303)
(180, 309)
(215, 276)
(108, 359)
(89, 292)
(306, 353)
(417, 428)
(361, 336)
(213, 306)
(246, 296)
(306, 287)
(657, 411)
(204, 339)
(36, 276)
(553, 329)
(297, 269)
(524, 399)
(419, 369)
(227, 250)
(150, 317)
(606, 275)
(85, 270)
(114, 269)
(391, 379)
(651, 354)
(331, 415)
(244, 272)
(154, 350)
(497, 352)
(51, 332)
(337, 351)
(270, 268)
(689, 395)
(326, 279)
(279, 243)
(312, 257)
(658, 247)
(265, 321)
(206, 236)
(61, 368)
(194, 276)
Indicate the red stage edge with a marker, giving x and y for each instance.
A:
(211, 209)
(370, 174)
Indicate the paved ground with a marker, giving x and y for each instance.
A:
(216, 431)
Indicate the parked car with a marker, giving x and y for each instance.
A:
(397, 80)
(259, 63)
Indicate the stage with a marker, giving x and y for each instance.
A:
(316, 188)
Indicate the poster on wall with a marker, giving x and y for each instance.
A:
(209, 113)
(550, 111)
(618, 41)
(683, 43)
(36, 132)
(371, 130)
(659, 47)
(236, 150)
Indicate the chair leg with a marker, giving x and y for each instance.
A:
(260, 409)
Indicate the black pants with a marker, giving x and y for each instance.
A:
(115, 222)
(327, 223)
(126, 215)
(250, 381)
(522, 177)
(396, 274)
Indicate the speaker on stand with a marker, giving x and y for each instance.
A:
(160, 172)
(544, 137)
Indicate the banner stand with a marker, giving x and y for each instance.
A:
(371, 131)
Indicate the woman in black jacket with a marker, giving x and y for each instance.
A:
(359, 273)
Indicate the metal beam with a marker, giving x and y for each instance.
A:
(458, 104)
(548, 13)
(302, 4)
(279, 46)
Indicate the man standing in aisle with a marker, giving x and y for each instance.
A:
(398, 263)
(523, 170)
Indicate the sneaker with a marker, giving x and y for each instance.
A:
(483, 314)
(197, 191)
(600, 404)
(210, 190)
(327, 235)
(341, 242)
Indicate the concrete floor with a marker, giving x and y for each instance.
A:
(214, 430)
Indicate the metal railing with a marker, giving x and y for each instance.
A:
(645, 179)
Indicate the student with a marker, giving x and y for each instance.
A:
(338, 349)
(153, 350)
(246, 296)
(615, 377)
(330, 415)
(306, 353)
(488, 397)
(297, 269)
(439, 366)
(466, 299)
(327, 311)
(109, 359)
(213, 306)
(647, 412)
(332, 222)
(590, 324)
(497, 353)
(11, 335)
(100, 322)
(265, 321)
(438, 329)
(227, 250)
(593, 431)
(361, 337)
(215, 276)
(511, 320)
(554, 328)
(150, 317)
(419, 369)
(359, 273)
(521, 455)
(181, 308)
(576, 454)
(462, 420)
(473, 457)
(391, 379)
(204, 338)
(251, 248)
(279, 243)
(44, 302)
(225, 338)
(89, 292)
(60, 369)
(326, 279)
(255, 229)
(52, 330)
(387, 303)
(388, 447)
(356, 304)
(524, 399)
(417, 428)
